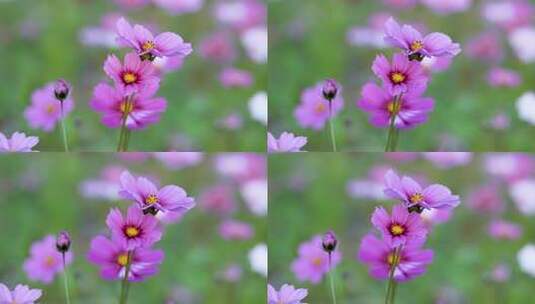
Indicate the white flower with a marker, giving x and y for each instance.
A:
(258, 258)
(258, 107)
(526, 259)
(522, 41)
(525, 106)
(523, 194)
(255, 194)
(255, 42)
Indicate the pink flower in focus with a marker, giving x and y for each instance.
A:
(177, 7)
(144, 193)
(22, 294)
(135, 76)
(139, 38)
(112, 257)
(486, 199)
(499, 77)
(401, 228)
(445, 160)
(135, 230)
(232, 77)
(504, 230)
(379, 256)
(45, 110)
(286, 295)
(287, 142)
(235, 230)
(313, 262)
(18, 142)
(401, 76)
(313, 110)
(141, 109)
(45, 260)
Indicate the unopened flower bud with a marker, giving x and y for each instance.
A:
(330, 89)
(329, 241)
(61, 89)
(63, 242)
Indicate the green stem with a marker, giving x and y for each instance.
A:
(393, 132)
(331, 125)
(66, 281)
(122, 135)
(391, 287)
(331, 279)
(125, 286)
(63, 129)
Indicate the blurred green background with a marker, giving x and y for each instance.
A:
(40, 43)
(308, 196)
(307, 43)
(40, 196)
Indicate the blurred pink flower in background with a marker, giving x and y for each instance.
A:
(132, 4)
(500, 121)
(312, 262)
(371, 35)
(486, 46)
(45, 110)
(400, 4)
(287, 142)
(437, 64)
(231, 273)
(436, 216)
(313, 109)
(232, 121)
(22, 294)
(168, 64)
(445, 160)
(45, 260)
(102, 35)
(526, 259)
(401, 157)
(370, 187)
(500, 77)
(287, 294)
(218, 199)
(509, 14)
(241, 167)
(258, 107)
(218, 47)
(509, 166)
(235, 230)
(447, 6)
(106, 186)
(486, 199)
(179, 160)
(500, 273)
(18, 142)
(523, 194)
(232, 77)
(504, 230)
(177, 7)
(241, 14)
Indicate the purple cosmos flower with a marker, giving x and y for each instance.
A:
(410, 110)
(287, 142)
(411, 41)
(170, 198)
(232, 77)
(145, 44)
(313, 111)
(135, 76)
(22, 294)
(400, 77)
(142, 109)
(286, 295)
(499, 77)
(135, 230)
(235, 230)
(313, 262)
(408, 191)
(176, 7)
(18, 142)
(504, 230)
(112, 257)
(45, 110)
(401, 228)
(218, 47)
(218, 199)
(329, 89)
(379, 256)
(45, 261)
(486, 199)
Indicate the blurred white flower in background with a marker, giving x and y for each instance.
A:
(258, 107)
(255, 194)
(525, 106)
(255, 42)
(523, 43)
(258, 258)
(526, 259)
(523, 194)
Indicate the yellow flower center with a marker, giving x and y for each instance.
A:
(397, 229)
(397, 77)
(416, 198)
(316, 261)
(132, 231)
(151, 199)
(50, 109)
(320, 107)
(393, 107)
(147, 46)
(126, 107)
(392, 260)
(129, 77)
(50, 261)
(417, 45)
(122, 259)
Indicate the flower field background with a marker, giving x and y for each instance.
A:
(44, 193)
(314, 40)
(472, 263)
(46, 40)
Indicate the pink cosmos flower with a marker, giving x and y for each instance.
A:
(134, 76)
(177, 7)
(486, 46)
(379, 256)
(509, 14)
(287, 142)
(435, 216)
(401, 228)
(112, 257)
(410, 111)
(218, 47)
(313, 111)
(18, 142)
(445, 160)
(499, 77)
(135, 230)
(45, 110)
(45, 260)
(144, 193)
(509, 166)
(436, 64)
(241, 14)
(411, 41)
(232, 77)
(400, 77)
(141, 109)
(22, 294)
(145, 44)
(447, 6)
(504, 230)
(235, 230)
(218, 199)
(485, 199)
(241, 167)
(286, 295)
(313, 262)
(409, 192)
(179, 160)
